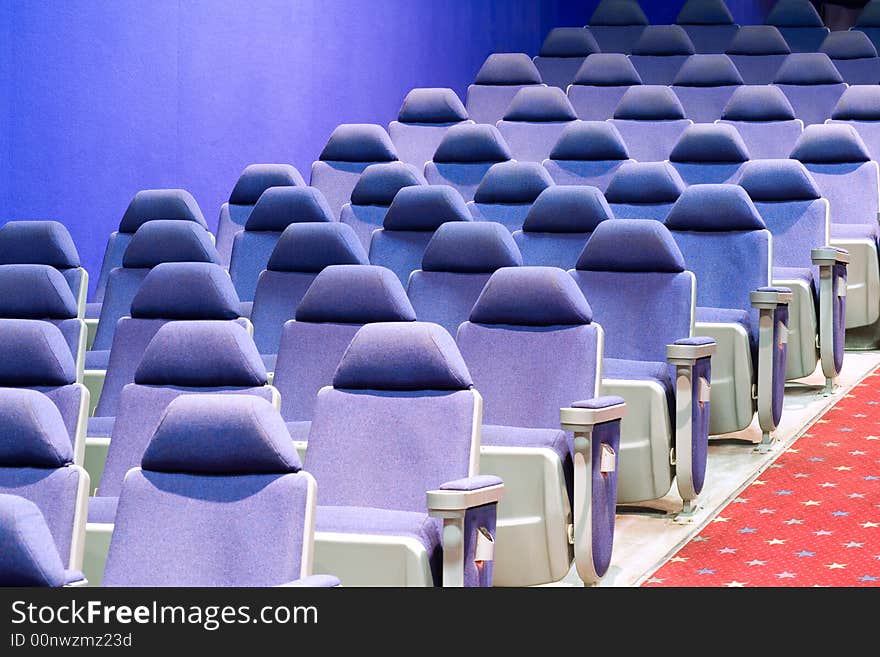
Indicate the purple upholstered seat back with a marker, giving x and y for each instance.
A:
(812, 84)
(764, 119)
(708, 23)
(563, 53)
(709, 153)
(799, 23)
(660, 52)
(464, 155)
(29, 556)
(534, 120)
(507, 191)
(854, 56)
(599, 85)
(617, 25)
(704, 85)
(650, 119)
(499, 79)
(644, 190)
(587, 153)
(859, 106)
(424, 118)
(758, 51)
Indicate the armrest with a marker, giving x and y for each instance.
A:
(770, 297)
(463, 494)
(827, 256)
(313, 581)
(772, 304)
(689, 350)
(832, 263)
(582, 415)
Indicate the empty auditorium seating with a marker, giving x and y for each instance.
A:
(854, 56)
(559, 223)
(587, 153)
(635, 279)
(457, 263)
(859, 106)
(424, 117)
(301, 252)
(562, 54)
(216, 462)
(727, 246)
(708, 23)
(45, 243)
(411, 371)
(650, 119)
(341, 299)
(617, 25)
(799, 23)
(709, 153)
(499, 79)
(869, 22)
(276, 209)
(843, 170)
(35, 355)
(531, 330)
(415, 213)
(644, 190)
(351, 148)
(507, 191)
(534, 120)
(599, 85)
(464, 156)
(704, 85)
(798, 218)
(36, 463)
(253, 181)
(660, 52)
(40, 292)
(147, 204)
(765, 120)
(758, 51)
(373, 193)
(812, 84)
(154, 242)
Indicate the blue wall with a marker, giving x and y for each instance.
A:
(101, 98)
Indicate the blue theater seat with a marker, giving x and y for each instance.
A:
(600, 84)
(854, 56)
(587, 153)
(650, 119)
(617, 25)
(660, 52)
(464, 156)
(765, 120)
(424, 117)
(704, 85)
(812, 84)
(709, 153)
(499, 79)
(758, 51)
(708, 23)
(644, 190)
(859, 106)
(562, 54)
(507, 191)
(868, 22)
(534, 120)
(253, 181)
(799, 23)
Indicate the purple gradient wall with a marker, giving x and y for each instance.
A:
(101, 98)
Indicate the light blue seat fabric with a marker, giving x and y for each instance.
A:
(764, 119)
(799, 23)
(599, 85)
(534, 120)
(708, 23)
(812, 84)
(562, 54)
(507, 192)
(709, 153)
(859, 106)
(499, 79)
(587, 153)
(704, 85)
(424, 117)
(644, 190)
(617, 25)
(660, 52)
(854, 56)
(650, 119)
(868, 22)
(758, 51)
(464, 155)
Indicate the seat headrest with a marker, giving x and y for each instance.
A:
(29, 556)
(758, 40)
(831, 143)
(359, 142)
(150, 204)
(808, 68)
(540, 105)
(569, 42)
(257, 178)
(37, 242)
(162, 240)
(626, 12)
(607, 70)
(590, 141)
(402, 356)
(469, 142)
(758, 103)
(710, 143)
(35, 292)
(848, 44)
(471, 247)
(531, 296)
(707, 71)
(203, 354)
(778, 180)
(221, 435)
(663, 40)
(714, 208)
(870, 16)
(567, 209)
(508, 68)
(858, 103)
(311, 247)
(631, 245)
(649, 103)
(34, 353)
(186, 290)
(425, 207)
(432, 105)
(794, 13)
(278, 207)
(379, 183)
(355, 294)
(704, 12)
(513, 182)
(645, 182)
(32, 431)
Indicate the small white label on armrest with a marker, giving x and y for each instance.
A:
(607, 460)
(841, 287)
(783, 333)
(485, 548)
(705, 390)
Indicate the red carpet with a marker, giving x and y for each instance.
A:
(811, 519)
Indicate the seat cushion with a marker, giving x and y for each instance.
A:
(299, 430)
(98, 359)
(100, 427)
(386, 522)
(103, 509)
